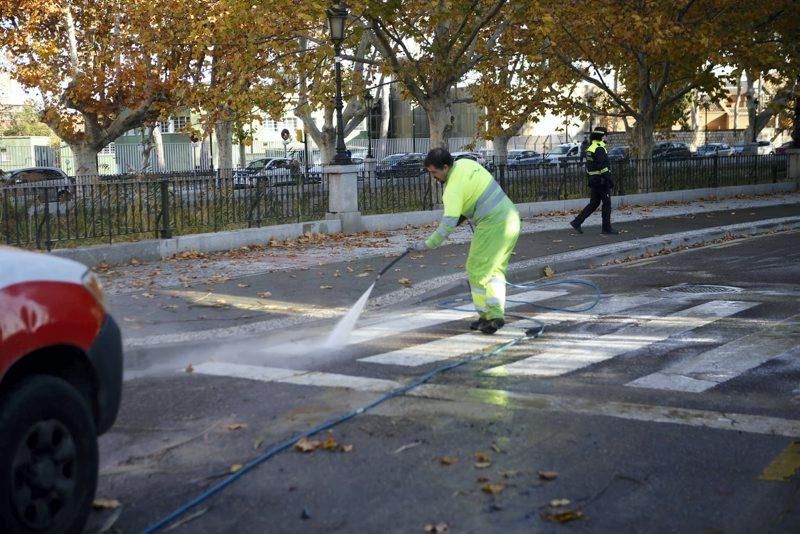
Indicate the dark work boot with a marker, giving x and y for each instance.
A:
(576, 226)
(476, 325)
(492, 325)
(609, 231)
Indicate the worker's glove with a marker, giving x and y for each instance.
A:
(418, 246)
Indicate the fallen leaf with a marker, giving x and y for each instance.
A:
(362, 275)
(448, 460)
(560, 502)
(307, 445)
(236, 467)
(482, 465)
(329, 443)
(189, 368)
(563, 516)
(236, 426)
(483, 457)
(548, 271)
(347, 448)
(510, 473)
(134, 261)
(548, 475)
(242, 285)
(326, 287)
(265, 295)
(148, 295)
(258, 443)
(105, 504)
(495, 488)
(438, 528)
(405, 281)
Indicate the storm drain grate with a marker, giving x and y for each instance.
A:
(700, 289)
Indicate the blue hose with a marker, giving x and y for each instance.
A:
(529, 334)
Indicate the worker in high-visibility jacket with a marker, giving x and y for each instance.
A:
(471, 193)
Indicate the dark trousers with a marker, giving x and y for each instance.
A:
(600, 193)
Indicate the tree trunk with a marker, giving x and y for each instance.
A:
(224, 130)
(695, 114)
(440, 120)
(158, 142)
(386, 111)
(242, 155)
(326, 143)
(643, 141)
(500, 144)
(85, 160)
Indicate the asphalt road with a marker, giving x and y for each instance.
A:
(655, 411)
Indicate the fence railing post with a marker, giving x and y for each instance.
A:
(166, 231)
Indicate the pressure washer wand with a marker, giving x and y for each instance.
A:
(391, 264)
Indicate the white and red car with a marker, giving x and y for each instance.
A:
(60, 387)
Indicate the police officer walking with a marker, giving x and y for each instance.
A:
(600, 182)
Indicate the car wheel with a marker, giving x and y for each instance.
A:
(48, 457)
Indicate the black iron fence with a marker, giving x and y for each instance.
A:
(548, 181)
(105, 209)
(397, 190)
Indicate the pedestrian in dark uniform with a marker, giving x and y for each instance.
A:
(598, 170)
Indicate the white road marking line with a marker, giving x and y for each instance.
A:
(295, 376)
(416, 320)
(754, 424)
(713, 367)
(565, 356)
(450, 347)
(470, 343)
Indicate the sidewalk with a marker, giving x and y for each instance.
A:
(202, 296)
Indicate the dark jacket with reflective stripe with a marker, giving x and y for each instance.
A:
(597, 159)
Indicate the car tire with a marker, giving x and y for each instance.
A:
(48, 457)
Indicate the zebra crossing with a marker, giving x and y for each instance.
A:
(635, 323)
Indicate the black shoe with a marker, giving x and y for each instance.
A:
(492, 325)
(476, 325)
(609, 231)
(576, 226)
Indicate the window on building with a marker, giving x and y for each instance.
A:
(290, 122)
(109, 149)
(179, 123)
(4, 154)
(272, 124)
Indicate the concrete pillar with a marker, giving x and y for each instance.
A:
(370, 166)
(343, 196)
(793, 164)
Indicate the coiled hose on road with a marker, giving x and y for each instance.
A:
(288, 443)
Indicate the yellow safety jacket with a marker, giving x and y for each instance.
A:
(470, 191)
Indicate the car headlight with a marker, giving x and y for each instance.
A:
(92, 284)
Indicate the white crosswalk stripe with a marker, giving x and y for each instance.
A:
(295, 376)
(564, 356)
(473, 342)
(713, 367)
(416, 320)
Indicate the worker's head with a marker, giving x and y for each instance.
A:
(598, 133)
(438, 162)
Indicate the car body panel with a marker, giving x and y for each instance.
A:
(44, 304)
(671, 150)
(713, 150)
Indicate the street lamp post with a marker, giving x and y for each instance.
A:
(368, 100)
(337, 15)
